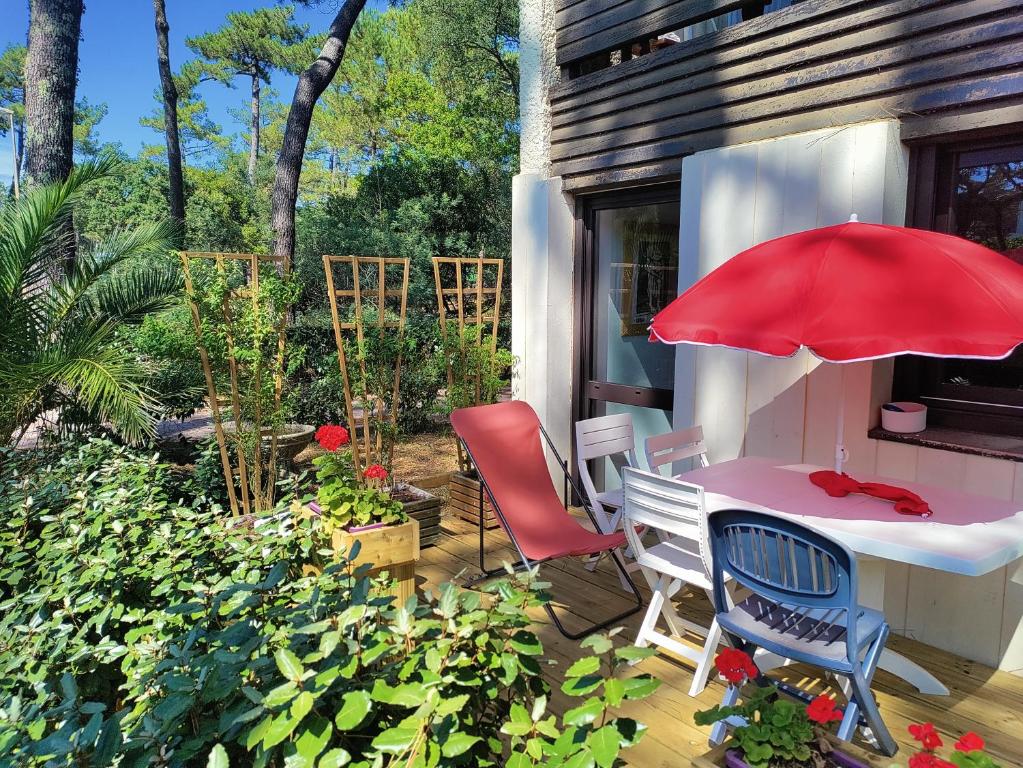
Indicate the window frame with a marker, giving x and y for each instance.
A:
(932, 179)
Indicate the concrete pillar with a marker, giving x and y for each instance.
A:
(542, 231)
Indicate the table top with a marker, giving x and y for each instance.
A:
(966, 534)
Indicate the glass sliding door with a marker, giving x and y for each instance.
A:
(630, 272)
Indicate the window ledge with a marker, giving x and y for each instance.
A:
(1007, 447)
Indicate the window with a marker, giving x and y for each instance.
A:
(654, 43)
(976, 192)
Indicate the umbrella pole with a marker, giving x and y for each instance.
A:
(840, 455)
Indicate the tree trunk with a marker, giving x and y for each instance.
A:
(176, 196)
(311, 83)
(51, 74)
(254, 134)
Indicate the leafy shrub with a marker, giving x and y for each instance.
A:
(315, 391)
(166, 341)
(137, 630)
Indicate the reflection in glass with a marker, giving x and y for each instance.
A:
(988, 206)
(637, 276)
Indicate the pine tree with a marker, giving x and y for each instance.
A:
(252, 45)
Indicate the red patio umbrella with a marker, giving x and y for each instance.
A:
(855, 292)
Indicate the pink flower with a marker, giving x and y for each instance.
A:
(375, 472)
(331, 437)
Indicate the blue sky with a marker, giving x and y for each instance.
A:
(117, 59)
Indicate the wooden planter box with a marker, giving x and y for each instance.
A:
(852, 757)
(391, 548)
(464, 490)
(423, 507)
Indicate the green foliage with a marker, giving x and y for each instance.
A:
(12, 84)
(421, 375)
(60, 347)
(139, 631)
(250, 43)
(777, 730)
(243, 319)
(344, 505)
(166, 342)
(476, 371)
(315, 392)
(977, 759)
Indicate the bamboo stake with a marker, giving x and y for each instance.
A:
(342, 362)
(372, 447)
(211, 387)
(460, 291)
(257, 497)
(232, 367)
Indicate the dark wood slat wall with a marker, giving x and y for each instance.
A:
(816, 64)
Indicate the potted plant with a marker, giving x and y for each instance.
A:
(776, 732)
(360, 517)
(475, 377)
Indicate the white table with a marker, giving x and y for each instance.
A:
(966, 534)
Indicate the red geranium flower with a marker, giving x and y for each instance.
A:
(928, 760)
(375, 472)
(823, 710)
(970, 742)
(331, 437)
(735, 665)
(926, 735)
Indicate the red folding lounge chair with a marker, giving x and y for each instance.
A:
(503, 441)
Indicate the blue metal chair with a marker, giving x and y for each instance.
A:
(803, 607)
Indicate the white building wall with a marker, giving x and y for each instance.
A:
(542, 255)
(735, 197)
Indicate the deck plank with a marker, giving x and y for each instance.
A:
(982, 699)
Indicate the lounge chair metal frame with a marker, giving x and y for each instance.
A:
(527, 563)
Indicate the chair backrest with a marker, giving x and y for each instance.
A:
(505, 443)
(676, 446)
(604, 436)
(666, 505)
(783, 561)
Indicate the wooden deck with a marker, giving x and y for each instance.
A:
(982, 699)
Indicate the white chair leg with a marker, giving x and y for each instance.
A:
(650, 619)
(617, 555)
(707, 661)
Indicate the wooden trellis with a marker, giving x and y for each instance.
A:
(366, 281)
(257, 495)
(469, 290)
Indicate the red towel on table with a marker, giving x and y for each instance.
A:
(839, 485)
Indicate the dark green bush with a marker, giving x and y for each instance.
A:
(136, 631)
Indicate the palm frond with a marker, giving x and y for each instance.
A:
(31, 226)
(106, 380)
(145, 244)
(137, 293)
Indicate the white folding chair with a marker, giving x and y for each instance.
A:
(676, 446)
(675, 510)
(608, 437)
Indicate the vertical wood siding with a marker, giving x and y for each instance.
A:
(815, 64)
